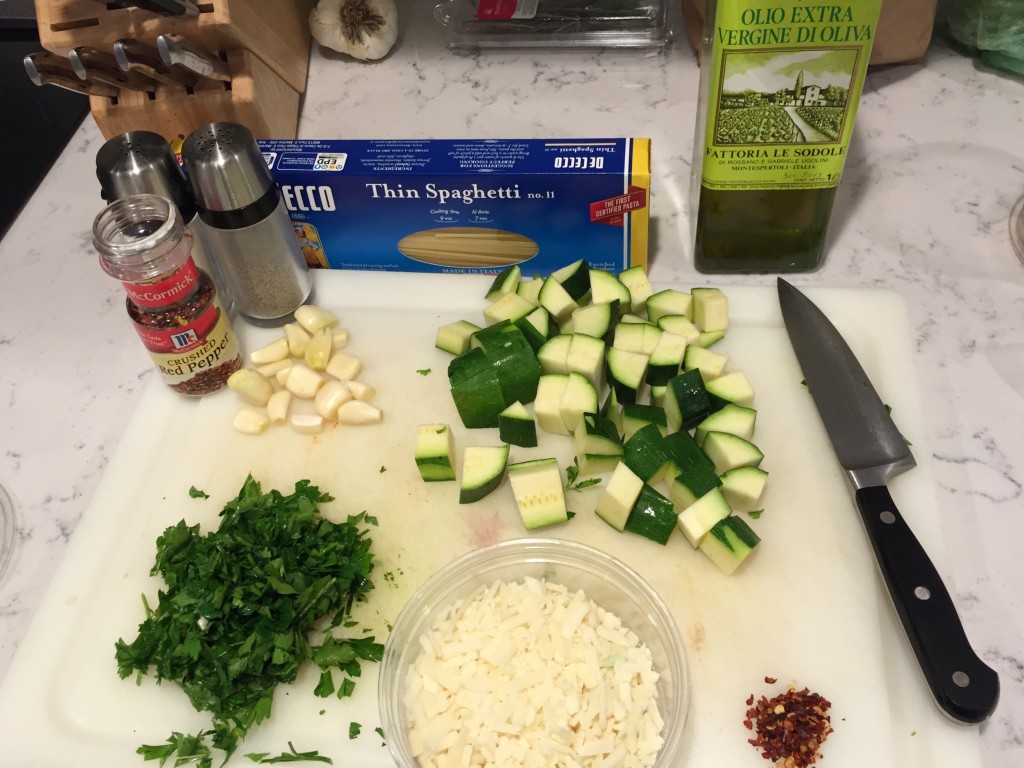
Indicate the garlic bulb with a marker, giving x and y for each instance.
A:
(364, 29)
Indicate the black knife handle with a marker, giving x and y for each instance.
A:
(963, 685)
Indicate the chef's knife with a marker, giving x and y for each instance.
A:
(134, 55)
(872, 451)
(42, 70)
(161, 7)
(179, 50)
(94, 64)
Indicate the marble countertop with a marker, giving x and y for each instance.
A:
(936, 164)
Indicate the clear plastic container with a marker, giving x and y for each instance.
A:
(557, 24)
(605, 580)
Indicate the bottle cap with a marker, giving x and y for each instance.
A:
(142, 162)
(226, 166)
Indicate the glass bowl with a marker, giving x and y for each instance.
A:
(605, 580)
(7, 531)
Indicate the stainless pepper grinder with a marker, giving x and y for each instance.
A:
(142, 162)
(249, 232)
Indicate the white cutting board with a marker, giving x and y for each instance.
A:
(808, 608)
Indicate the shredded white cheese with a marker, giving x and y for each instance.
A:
(530, 674)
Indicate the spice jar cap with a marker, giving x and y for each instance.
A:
(142, 162)
(226, 166)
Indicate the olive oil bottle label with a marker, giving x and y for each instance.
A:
(783, 85)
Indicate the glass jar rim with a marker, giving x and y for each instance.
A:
(135, 234)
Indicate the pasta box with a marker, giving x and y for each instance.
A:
(432, 205)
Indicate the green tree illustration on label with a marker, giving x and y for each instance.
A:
(779, 91)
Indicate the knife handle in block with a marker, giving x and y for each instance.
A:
(965, 688)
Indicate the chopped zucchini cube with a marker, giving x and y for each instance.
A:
(506, 281)
(732, 418)
(455, 337)
(700, 517)
(575, 279)
(597, 444)
(636, 281)
(618, 497)
(729, 542)
(732, 388)
(668, 302)
(710, 309)
(605, 287)
(517, 427)
(646, 455)
(553, 356)
(687, 402)
(509, 306)
(435, 447)
(743, 486)
(710, 364)
(537, 488)
(483, 466)
(548, 405)
(730, 451)
(652, 516)
(579, 397)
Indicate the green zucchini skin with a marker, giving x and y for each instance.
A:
(626, 373)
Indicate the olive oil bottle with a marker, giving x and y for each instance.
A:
(780, 83)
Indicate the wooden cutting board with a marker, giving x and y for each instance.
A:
(808, 608)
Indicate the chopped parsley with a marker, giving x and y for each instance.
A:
(572, 472)
(195, 493)
(238, 603)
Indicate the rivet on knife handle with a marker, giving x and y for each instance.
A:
(963, 685)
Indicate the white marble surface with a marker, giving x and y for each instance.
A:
(937, 162)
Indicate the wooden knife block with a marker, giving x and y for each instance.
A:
(266, 42)
(256, 97)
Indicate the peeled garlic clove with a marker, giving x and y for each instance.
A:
(270, 370)
(298, 339)
(250, 386)
(307, 423)
(250, 421)
(359, 412)
(340, 339)
(318, 353)
(361, 391)
(344, 367)
(277, 406)
(274, 352)
(364, 29)
(304, 382)
(314, 318)
(282, 375)
(331, 396)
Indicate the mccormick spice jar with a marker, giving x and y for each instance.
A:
(173, 304)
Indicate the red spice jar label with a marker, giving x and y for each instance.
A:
(198, 357)
(162, 293)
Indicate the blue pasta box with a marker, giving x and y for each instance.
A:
(433, 205)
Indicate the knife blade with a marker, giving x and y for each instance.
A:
(180, 50)
(134, 55)
(42, 71)
(872, 451)
(161, 7)
(94, 64)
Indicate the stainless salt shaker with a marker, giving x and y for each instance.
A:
(141, 163)
(247, 225)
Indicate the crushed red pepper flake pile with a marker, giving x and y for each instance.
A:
(791, 727)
